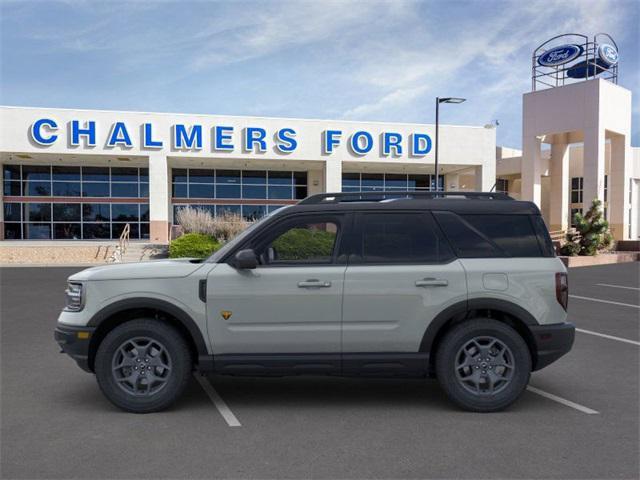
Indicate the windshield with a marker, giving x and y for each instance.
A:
(230, 245)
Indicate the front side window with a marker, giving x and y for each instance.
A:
(401, 238)
(303, 241)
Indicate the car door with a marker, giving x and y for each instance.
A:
(292, 302)
(401, 275)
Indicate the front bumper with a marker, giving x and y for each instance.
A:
(74, 341)
(552, 342)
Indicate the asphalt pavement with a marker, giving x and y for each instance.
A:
(580, 420)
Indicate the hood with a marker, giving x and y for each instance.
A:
(132, 271)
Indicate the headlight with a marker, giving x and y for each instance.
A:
(75, 299)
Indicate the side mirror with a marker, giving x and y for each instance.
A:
(245, 260)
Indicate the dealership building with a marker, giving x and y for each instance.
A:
(86, 174)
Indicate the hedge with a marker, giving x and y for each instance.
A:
(193, 245)
(304, 244)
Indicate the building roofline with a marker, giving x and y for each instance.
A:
(21, 107)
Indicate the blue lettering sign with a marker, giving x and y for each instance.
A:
(255, 136)
(89, 131)
(147, 138)
(189, 139)
(286, 142)
(37, 134)
(331, 140)
(119, 136)
(391, 140)
(357, 146)
(222, 135)
(421, 144)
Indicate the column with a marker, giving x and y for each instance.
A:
(531, 169)
(1, 204)
(332, 175)
(559, 168)
(452, 182)
(159, 198)
(618, 187)
(593, 164)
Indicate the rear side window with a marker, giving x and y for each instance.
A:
(514, 234)
(544, 239)
(467, 241)
(401, 237)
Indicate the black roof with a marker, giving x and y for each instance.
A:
(458, 202)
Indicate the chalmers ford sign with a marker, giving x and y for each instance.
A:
(220, 138)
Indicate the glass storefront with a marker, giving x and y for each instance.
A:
(370, 182)
(98, 202)
(219, 190)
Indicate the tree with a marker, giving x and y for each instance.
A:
(592, 233)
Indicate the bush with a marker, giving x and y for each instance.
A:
(302, 243)
(592, 233)
(223, 227)
(193, 245)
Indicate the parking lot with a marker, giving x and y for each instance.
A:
(579, 419)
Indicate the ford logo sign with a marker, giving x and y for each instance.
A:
(608, 54)
(560, 55)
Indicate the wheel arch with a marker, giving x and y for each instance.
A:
(507, 312)
(122, 311)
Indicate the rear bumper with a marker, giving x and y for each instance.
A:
(73, 344)
(552, 342)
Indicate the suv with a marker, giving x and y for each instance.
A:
(461, 286)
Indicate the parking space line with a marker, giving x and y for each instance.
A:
(610, 337)
(217, 400)
(563, 401)
(604, 301)
(616, 286)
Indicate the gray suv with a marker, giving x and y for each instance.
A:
(464, 287)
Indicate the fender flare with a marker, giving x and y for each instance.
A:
(459, 310)
(156, 304)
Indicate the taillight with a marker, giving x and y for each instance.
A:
(562, 289)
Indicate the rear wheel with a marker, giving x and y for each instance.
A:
(143, 365)
(483, 365)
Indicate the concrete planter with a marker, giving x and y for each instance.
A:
(602, 259)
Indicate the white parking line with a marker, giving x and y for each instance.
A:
(563, 401)
(610, 337)
(616, 286)
(605, 301)
(217, 400)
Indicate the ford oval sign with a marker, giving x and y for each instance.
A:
(560, 55)
(608, 54)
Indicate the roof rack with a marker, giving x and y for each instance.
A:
(386, 195)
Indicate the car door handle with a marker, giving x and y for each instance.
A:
(432, 282)
(313, 283)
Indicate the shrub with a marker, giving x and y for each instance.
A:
(302, 243)
(223, 227)
(193, 245)
(227, 226)
(592, 233)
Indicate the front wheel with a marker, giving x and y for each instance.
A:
(143, 365)
(483, 365)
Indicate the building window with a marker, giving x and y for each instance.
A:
(222, 190)
(576, 189)
(99, 202)
(502, 185)
(371, 182)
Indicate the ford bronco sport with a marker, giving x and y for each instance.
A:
(461, 286)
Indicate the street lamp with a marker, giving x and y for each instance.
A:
(438, 102)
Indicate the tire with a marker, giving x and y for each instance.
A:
(143, 365)
(481, 385)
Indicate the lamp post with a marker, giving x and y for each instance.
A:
(438, 102)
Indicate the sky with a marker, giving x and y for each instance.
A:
(345, 60)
